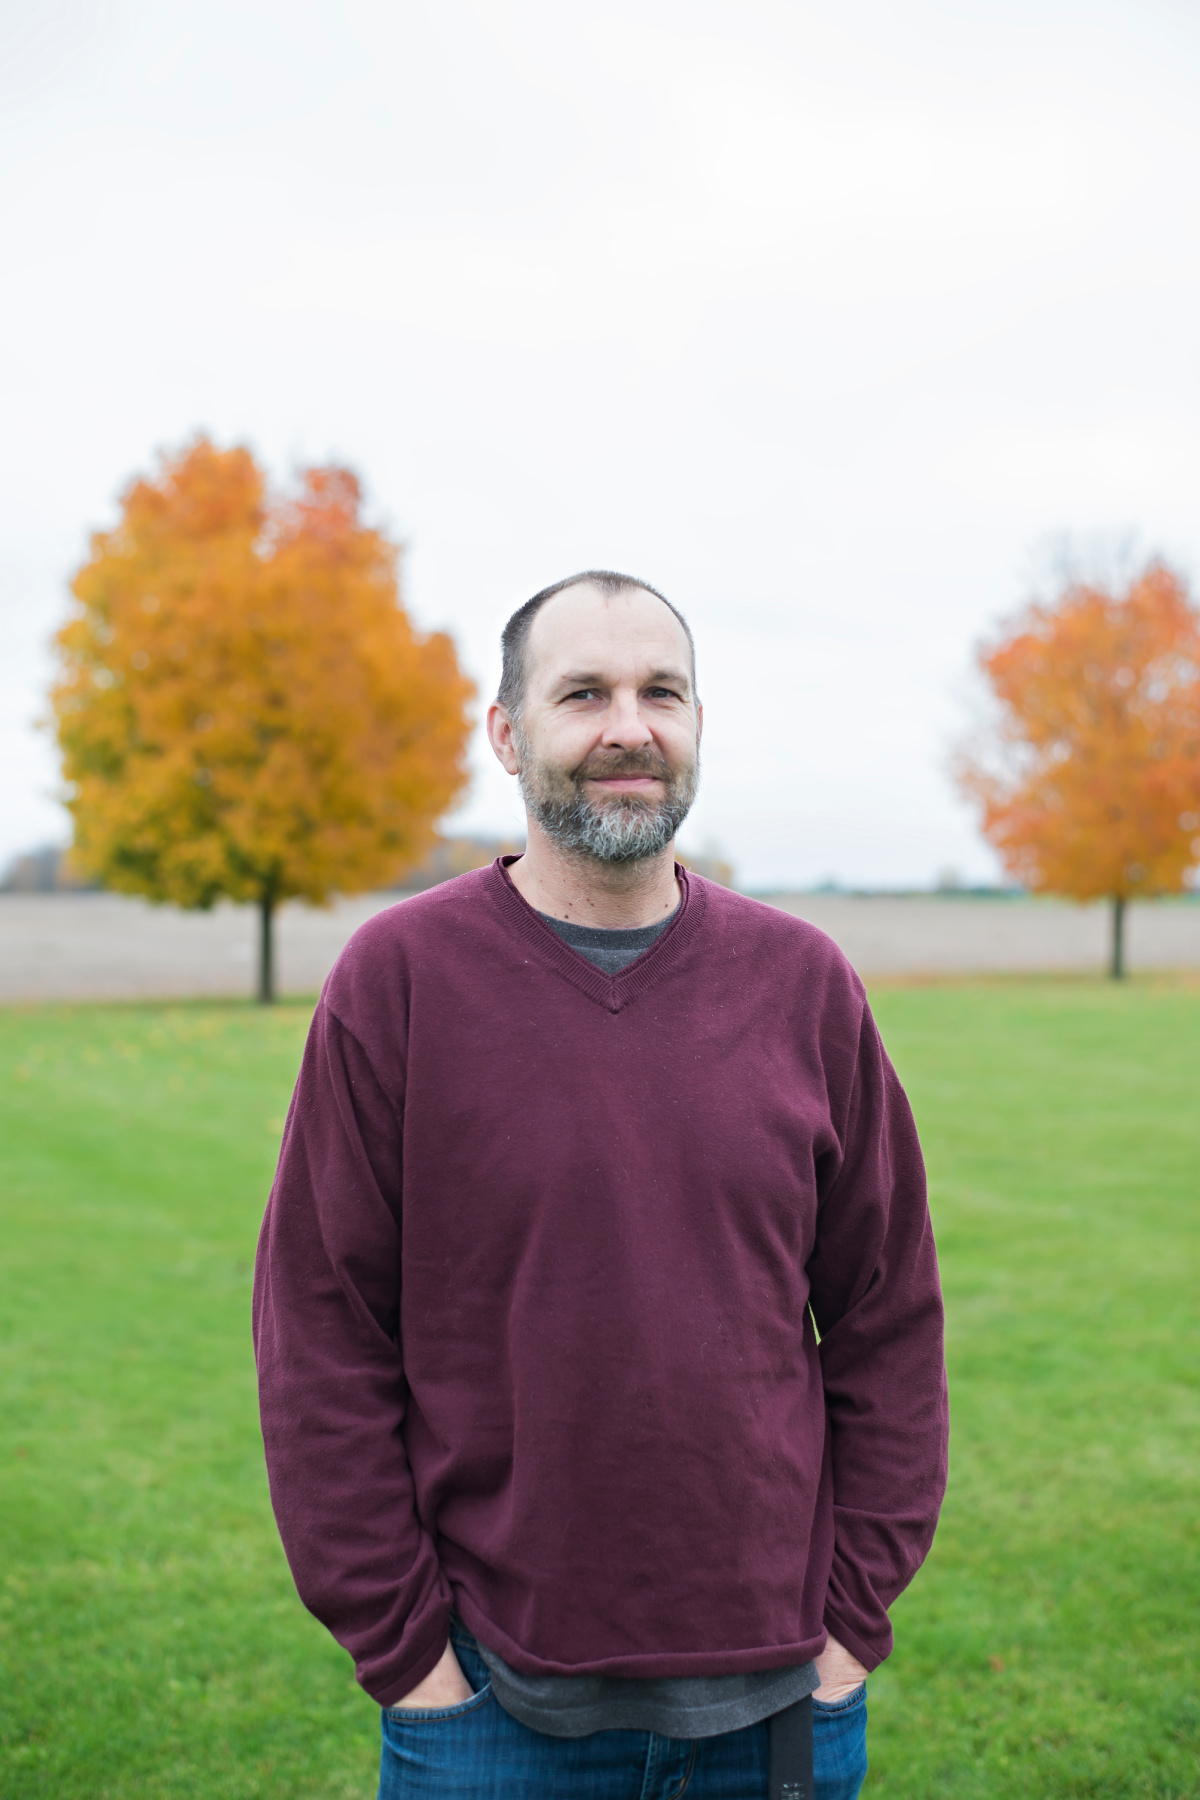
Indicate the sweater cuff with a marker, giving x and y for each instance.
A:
(388, 1690)
(870, 1653)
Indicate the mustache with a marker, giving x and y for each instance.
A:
(625, 762)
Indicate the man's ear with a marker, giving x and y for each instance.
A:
(500, 737)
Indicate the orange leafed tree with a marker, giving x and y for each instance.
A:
(1092, 788)
(244, 709)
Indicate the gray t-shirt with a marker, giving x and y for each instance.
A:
(610, 948)
(677, 1706)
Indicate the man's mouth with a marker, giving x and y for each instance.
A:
(633, 777)
(626, 781)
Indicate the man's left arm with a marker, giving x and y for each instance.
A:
(877, 1303)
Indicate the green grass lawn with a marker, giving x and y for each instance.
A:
(152, 1645)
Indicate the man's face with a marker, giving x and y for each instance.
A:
(607, 743)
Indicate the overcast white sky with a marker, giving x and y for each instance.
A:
(832, 320)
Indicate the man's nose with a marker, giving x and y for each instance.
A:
(624, 726)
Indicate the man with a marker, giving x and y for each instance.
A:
(597, 1313)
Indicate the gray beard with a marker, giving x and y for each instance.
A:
(617, 831)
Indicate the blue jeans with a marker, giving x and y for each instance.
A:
(476, 1751)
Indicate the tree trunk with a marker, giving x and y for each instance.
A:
(1117, 966)
(266, 950)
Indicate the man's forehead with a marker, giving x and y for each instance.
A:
(585, 614)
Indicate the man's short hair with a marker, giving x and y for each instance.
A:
(515, 636)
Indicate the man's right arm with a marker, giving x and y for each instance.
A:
(331, 1386)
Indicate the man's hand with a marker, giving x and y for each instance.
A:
(840, 1672)
(445, 1685)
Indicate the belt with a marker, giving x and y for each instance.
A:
(791, 1739)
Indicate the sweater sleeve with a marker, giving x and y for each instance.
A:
(331, 1385)
(877, 1304)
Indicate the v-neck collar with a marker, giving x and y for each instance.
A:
(612, 992)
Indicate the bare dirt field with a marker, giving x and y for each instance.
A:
(107, 947)
(947, 934)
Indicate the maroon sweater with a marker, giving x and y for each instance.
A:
(532, 1307)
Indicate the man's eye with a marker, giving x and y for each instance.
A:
(582, 694)
(662, 694)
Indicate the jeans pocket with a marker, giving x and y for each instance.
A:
(844, 1705)
(429, 1715)
(840, 1746)
(440, 1752)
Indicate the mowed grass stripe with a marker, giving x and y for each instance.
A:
(152, 1643)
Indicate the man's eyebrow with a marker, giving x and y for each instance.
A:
(676, 677)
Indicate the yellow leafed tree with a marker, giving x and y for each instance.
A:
(244, 709)
(1092, 787)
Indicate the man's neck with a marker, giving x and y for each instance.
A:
(589, 892)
